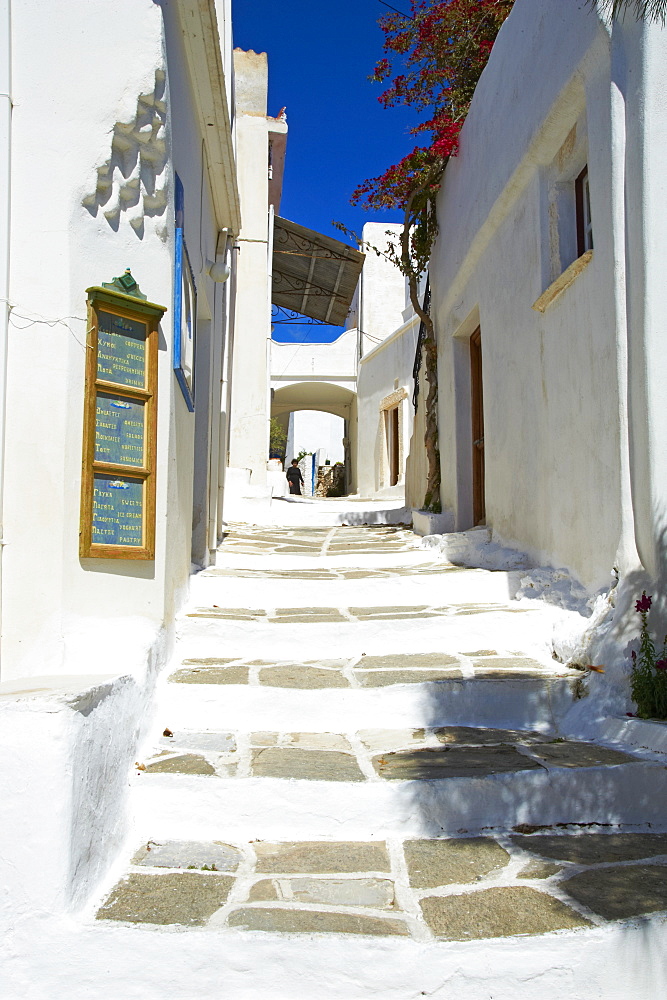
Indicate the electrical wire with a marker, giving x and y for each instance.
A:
(28, 321)
(395, 10)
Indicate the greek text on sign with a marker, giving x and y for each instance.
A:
(121, 350)
(119, 430)
(118, 507)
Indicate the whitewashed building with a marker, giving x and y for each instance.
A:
(547, 295)
(388, 330)
(118, 208)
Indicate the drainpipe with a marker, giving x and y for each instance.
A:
(269, 285)
(5, 166)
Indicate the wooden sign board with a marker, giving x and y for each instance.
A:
(120, 424)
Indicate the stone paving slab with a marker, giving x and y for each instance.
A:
(210, 675)
(188, 898)
(313, 922)
(308, 765)
(385, 610)
(213, 741)
(326, 619)
(281, 612)
(188, 854)
(618, 893)
(539, 869)
(319, 741)
(387, 739)
(397, 616)
(595, 848)
(457, 762)
(302, 677)
(403, 661)
(510, 663)
(183, 764)
(570, 754)
(433, 863)
(231, 614)
(500, 912)
(208, 661)
(385, 678)
(376, 892)
(470, 736)
(321, 858)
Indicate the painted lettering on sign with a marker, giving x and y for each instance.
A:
(121, 350)
(119, 430)
(118, 510)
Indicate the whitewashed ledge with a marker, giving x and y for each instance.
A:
(66, 743)
(645, 734)
(426, 523)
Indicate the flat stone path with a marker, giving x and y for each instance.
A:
(473, 883)
(454, 889)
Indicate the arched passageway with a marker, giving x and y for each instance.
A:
(326, 397)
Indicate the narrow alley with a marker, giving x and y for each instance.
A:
(362, 742)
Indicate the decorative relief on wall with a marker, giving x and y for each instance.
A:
(393, 399)
(132, 181)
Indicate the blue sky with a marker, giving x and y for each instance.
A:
(320, 56)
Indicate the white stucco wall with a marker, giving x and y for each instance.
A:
(250, 395)
(58, 610)
(556, 480)
(382, 298)
(335, 362)
(385, 377)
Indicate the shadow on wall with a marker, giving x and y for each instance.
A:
(132, 180)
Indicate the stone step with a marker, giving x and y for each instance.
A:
(388, 900)
(336, 587)
(249, 629)
(478, 687)
(388, 783)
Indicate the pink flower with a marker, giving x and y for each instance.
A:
(661, 664)
(643, 604)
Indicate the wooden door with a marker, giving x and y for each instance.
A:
(477, 400)
(393, 436)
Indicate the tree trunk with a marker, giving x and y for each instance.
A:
(430, 346)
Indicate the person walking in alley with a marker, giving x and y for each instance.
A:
(294, 478)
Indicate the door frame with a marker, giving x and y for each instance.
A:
(477, 427)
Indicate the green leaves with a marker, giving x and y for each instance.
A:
(643, 10)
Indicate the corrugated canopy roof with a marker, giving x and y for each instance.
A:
(313, 274)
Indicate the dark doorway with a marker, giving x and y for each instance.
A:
(392, 444)
(477, 400)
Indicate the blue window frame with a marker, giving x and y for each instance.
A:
(185, 307)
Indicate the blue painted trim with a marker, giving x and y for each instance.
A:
(181, 259)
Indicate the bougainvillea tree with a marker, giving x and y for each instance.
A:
(433, 57)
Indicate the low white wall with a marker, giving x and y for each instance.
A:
(67, 744)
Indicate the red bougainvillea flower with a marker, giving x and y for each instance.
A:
(433, 57)
(661, 664)
(643, 604)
